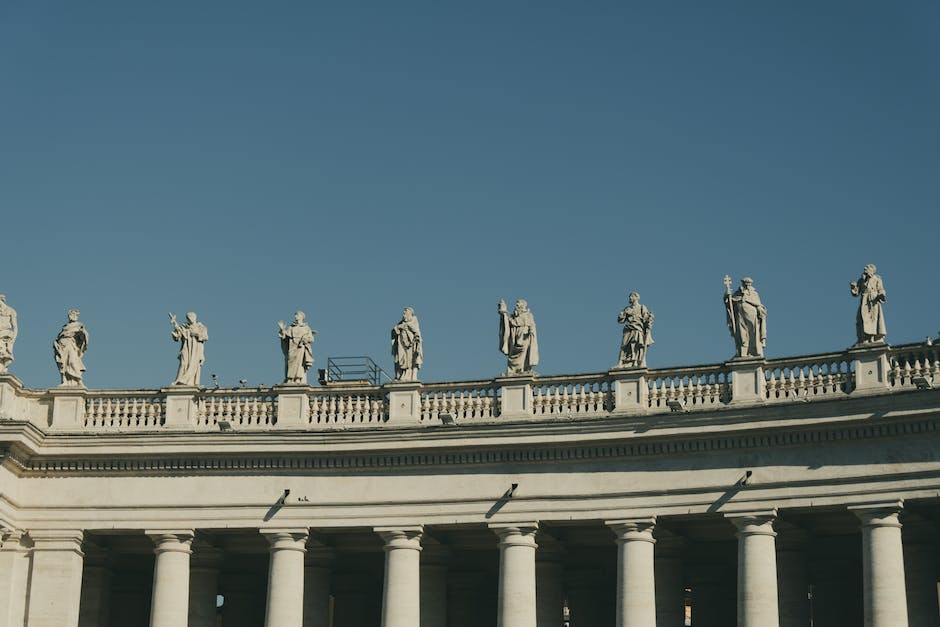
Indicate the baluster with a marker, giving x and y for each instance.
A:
(906, 372)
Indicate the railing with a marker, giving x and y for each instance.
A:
(908, 363)
(464, 401)
(123, 411)
(573, 395)
(806, 378)
(241, 409)
(695, 389)
(582, 396)
(361, 407)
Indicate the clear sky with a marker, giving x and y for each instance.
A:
(246, 159)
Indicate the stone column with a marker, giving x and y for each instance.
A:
(549, 582)
(55, 589)
(463, 591)
(516, 602)
(636, 581)
(318, 573)
(204, 585)
(14, 575)
(792, 578)
(882, 566)
(434, 564)
(670, 580)
(920, 571)
(285, 606)
(757, 569)
(401, 588)
(95, 606)
(169, 606)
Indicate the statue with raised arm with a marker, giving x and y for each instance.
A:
(296, 341)
(870, 320)
(517, 337)
(637, 321)
(407, 347)
(192, 336)
(7, 333)
(70, 346)
(747, 318)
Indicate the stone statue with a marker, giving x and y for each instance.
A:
(517, 337)
(407, 347)
(747, 318)
(70, 346)
(637, 321)
(298, 354)
(870, 321)
(7, 333)
(192, 337)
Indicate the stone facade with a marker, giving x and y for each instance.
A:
(755, 492)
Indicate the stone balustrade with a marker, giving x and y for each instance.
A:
(878, 369)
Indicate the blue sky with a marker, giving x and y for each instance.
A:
(246, 159)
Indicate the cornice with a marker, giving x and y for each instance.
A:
(504, 444)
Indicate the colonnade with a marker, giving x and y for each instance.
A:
(414, 585)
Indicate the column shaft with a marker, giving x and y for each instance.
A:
(757, 571)
(669, 573)
(285, 605)
(636, 580)
(434, 595)
(14, 574)
(516, 602)
(204, 585)
(56, 580)
(549, 592)
(883, 568)
(318, 575)
(169, 606)
(401, 589)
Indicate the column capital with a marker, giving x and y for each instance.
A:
(58, 540)
(408, 537)
(291, 539)
(883, 514)
(755, 523)
(516, 534)
(633, 529)
(171, 540)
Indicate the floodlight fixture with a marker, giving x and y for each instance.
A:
(922, 383)
(675, 405)
(447, 420)
(225, 425)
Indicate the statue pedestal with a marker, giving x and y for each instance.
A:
(516, 395)
(68, 408)
(180, 410)
(404, 402)
(870, 363)
(9, 391)
(748, 385)
(631, 392)
(293, 406)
